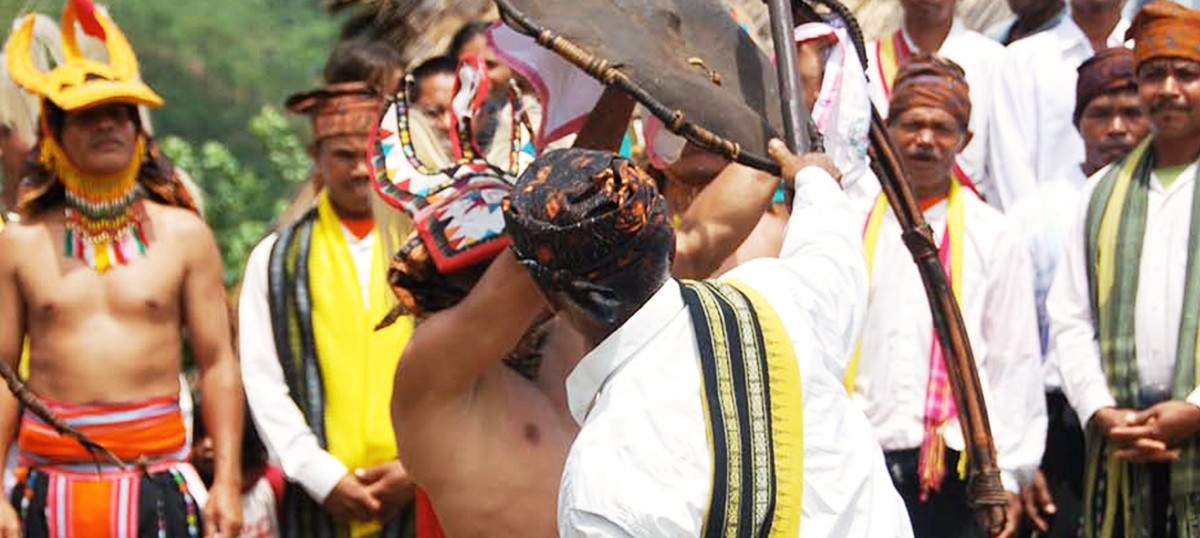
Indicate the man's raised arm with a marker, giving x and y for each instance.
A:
(453, 348)
(720, 219)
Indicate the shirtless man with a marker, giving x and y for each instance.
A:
(104, 305)
(488, 445)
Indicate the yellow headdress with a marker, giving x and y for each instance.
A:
(80, 82)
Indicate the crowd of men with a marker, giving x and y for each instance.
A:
(589, 340)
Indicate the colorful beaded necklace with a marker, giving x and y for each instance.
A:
(104, 219)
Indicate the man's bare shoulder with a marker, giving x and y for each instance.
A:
(19, 236)
(178, 222)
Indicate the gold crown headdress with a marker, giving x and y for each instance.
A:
(80, 82)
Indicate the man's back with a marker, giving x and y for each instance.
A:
(642, 465)
(122, 327)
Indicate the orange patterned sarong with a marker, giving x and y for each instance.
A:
(64, 491)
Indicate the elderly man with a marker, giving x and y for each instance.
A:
(109, 243)
(1112, 120)
(668, 446)
(311, 297)
(898, 374)
(1125, 305)
(930, 27)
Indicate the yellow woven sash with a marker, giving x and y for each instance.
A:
(356, 361)
(743, 343)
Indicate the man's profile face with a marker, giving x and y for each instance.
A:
(342, 163)
(100, 140)
(1111, 125)
(928, 11)
(1170, 89)
(929, 139)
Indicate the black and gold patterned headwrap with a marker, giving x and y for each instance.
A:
(587, 224)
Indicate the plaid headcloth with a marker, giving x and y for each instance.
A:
(1110, 70)
(1165, 29)
(926, 80)
(580, 219)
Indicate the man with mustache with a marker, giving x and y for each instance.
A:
(898, 373)
(108, 266)
(1112, 120)
(1125, 304)
(930, 27)
(317, 368)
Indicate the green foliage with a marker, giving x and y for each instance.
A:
(241, 203)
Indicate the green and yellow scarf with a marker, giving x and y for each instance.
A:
(1116, 227)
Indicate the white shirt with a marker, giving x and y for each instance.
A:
(1042, 222)
(977, 55)
(998, 309)
(1161, 278)
(1033, 137)
(641, 465)
(282, 426)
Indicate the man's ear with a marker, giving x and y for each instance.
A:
(311, 149)
(966, 139)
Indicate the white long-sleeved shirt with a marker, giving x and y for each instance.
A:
(978, 55)
(641, 465)
(998, 309)
(1042, 222)
(1033, 138)
(280, 423)
(1161, 281)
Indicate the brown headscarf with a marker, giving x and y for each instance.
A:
(1110, 70)
(339, 109)
(590, 224)
(926, 80)
(1165, 29)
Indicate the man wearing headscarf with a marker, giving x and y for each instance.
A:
(1032, 138)
(310, 299)
(1112, 120)
(930, 27)
(657, 453)
(898, 373)
(107, 267)
(1125, 305)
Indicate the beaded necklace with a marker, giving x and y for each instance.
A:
(105, 223)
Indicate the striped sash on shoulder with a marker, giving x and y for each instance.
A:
(752, 400)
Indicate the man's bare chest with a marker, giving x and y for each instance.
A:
(54, 286)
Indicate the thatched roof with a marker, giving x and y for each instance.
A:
(422, 28)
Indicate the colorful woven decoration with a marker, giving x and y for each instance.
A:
(105, 221)
(456, 210)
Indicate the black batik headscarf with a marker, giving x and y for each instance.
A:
(592, 225)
